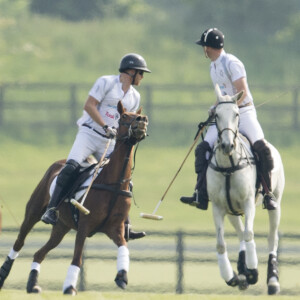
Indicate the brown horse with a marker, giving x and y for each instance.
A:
(108, 201)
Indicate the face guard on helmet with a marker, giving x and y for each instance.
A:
(213, 38)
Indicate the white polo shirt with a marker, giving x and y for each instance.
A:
(108, 91)
(224, 71)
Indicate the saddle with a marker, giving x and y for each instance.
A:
(79, 186)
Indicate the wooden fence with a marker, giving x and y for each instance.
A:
(37, 109)
(177, 252)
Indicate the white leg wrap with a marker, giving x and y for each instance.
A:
(251, 256)
(72, 277)
(36, 266)
(13, 254)
(123, 259)
(225, 267)
(242, 246)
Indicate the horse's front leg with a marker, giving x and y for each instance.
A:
(69, 286)
(272, 272)
(117, 235)
(225, 268)
(251, 255)
(238, 225)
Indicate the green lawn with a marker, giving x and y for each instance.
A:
(22, 166)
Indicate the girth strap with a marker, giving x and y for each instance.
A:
(99, 186)
(233, 211)
(227, 173)
(232, 169)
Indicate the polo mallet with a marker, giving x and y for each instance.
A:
(201, 127)
(80, 205)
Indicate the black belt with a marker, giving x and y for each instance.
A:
(245, 105)
(88, 126)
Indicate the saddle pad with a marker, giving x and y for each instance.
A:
(81, 189)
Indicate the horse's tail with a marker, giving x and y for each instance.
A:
(40, 197)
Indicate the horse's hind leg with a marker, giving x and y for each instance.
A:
(57, 234)
(33, 213)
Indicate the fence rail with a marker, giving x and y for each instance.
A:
(56, 107)
(177, 248)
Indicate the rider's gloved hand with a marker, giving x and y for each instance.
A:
(110, 132)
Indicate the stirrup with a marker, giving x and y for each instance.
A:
(193, 200)
(50, 216)
(132, 235)
(269, 201)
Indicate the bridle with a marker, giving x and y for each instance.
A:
(130, 137)
(221, 131)
(242, 162)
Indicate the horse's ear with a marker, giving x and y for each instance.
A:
(139, 110)
(238, 96)
(218, 92)
(121, 108)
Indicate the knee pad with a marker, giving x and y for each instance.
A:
(264, 155)
(69, 171)
(200, 156)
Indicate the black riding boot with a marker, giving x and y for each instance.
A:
(130, 234)
(265, 164)
(200, 196)
(64, 178)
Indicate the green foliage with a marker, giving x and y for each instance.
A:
(78, 10)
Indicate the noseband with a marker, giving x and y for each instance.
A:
(220, 132)
(129, 137)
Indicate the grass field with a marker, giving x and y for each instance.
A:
(22, 166)
(12, 295)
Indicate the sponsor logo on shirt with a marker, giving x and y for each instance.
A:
(112, 116)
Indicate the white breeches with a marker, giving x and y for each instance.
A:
(248, 126)
(88, 143)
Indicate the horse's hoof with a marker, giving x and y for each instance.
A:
(70, 291)
(252, 276)
(121, 279)
(32, 283)
(234, 281)
(243, 283)
(273, 286)
(36, 290)
(5, 269)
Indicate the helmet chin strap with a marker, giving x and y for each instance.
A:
(132, 76)
(205, 52)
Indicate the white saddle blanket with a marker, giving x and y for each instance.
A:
(83, 187)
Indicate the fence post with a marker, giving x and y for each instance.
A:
(1, 104)
(148, 102)
(73, 104)
(180, 262)
(295, 118)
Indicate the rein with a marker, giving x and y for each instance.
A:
(115, 188)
